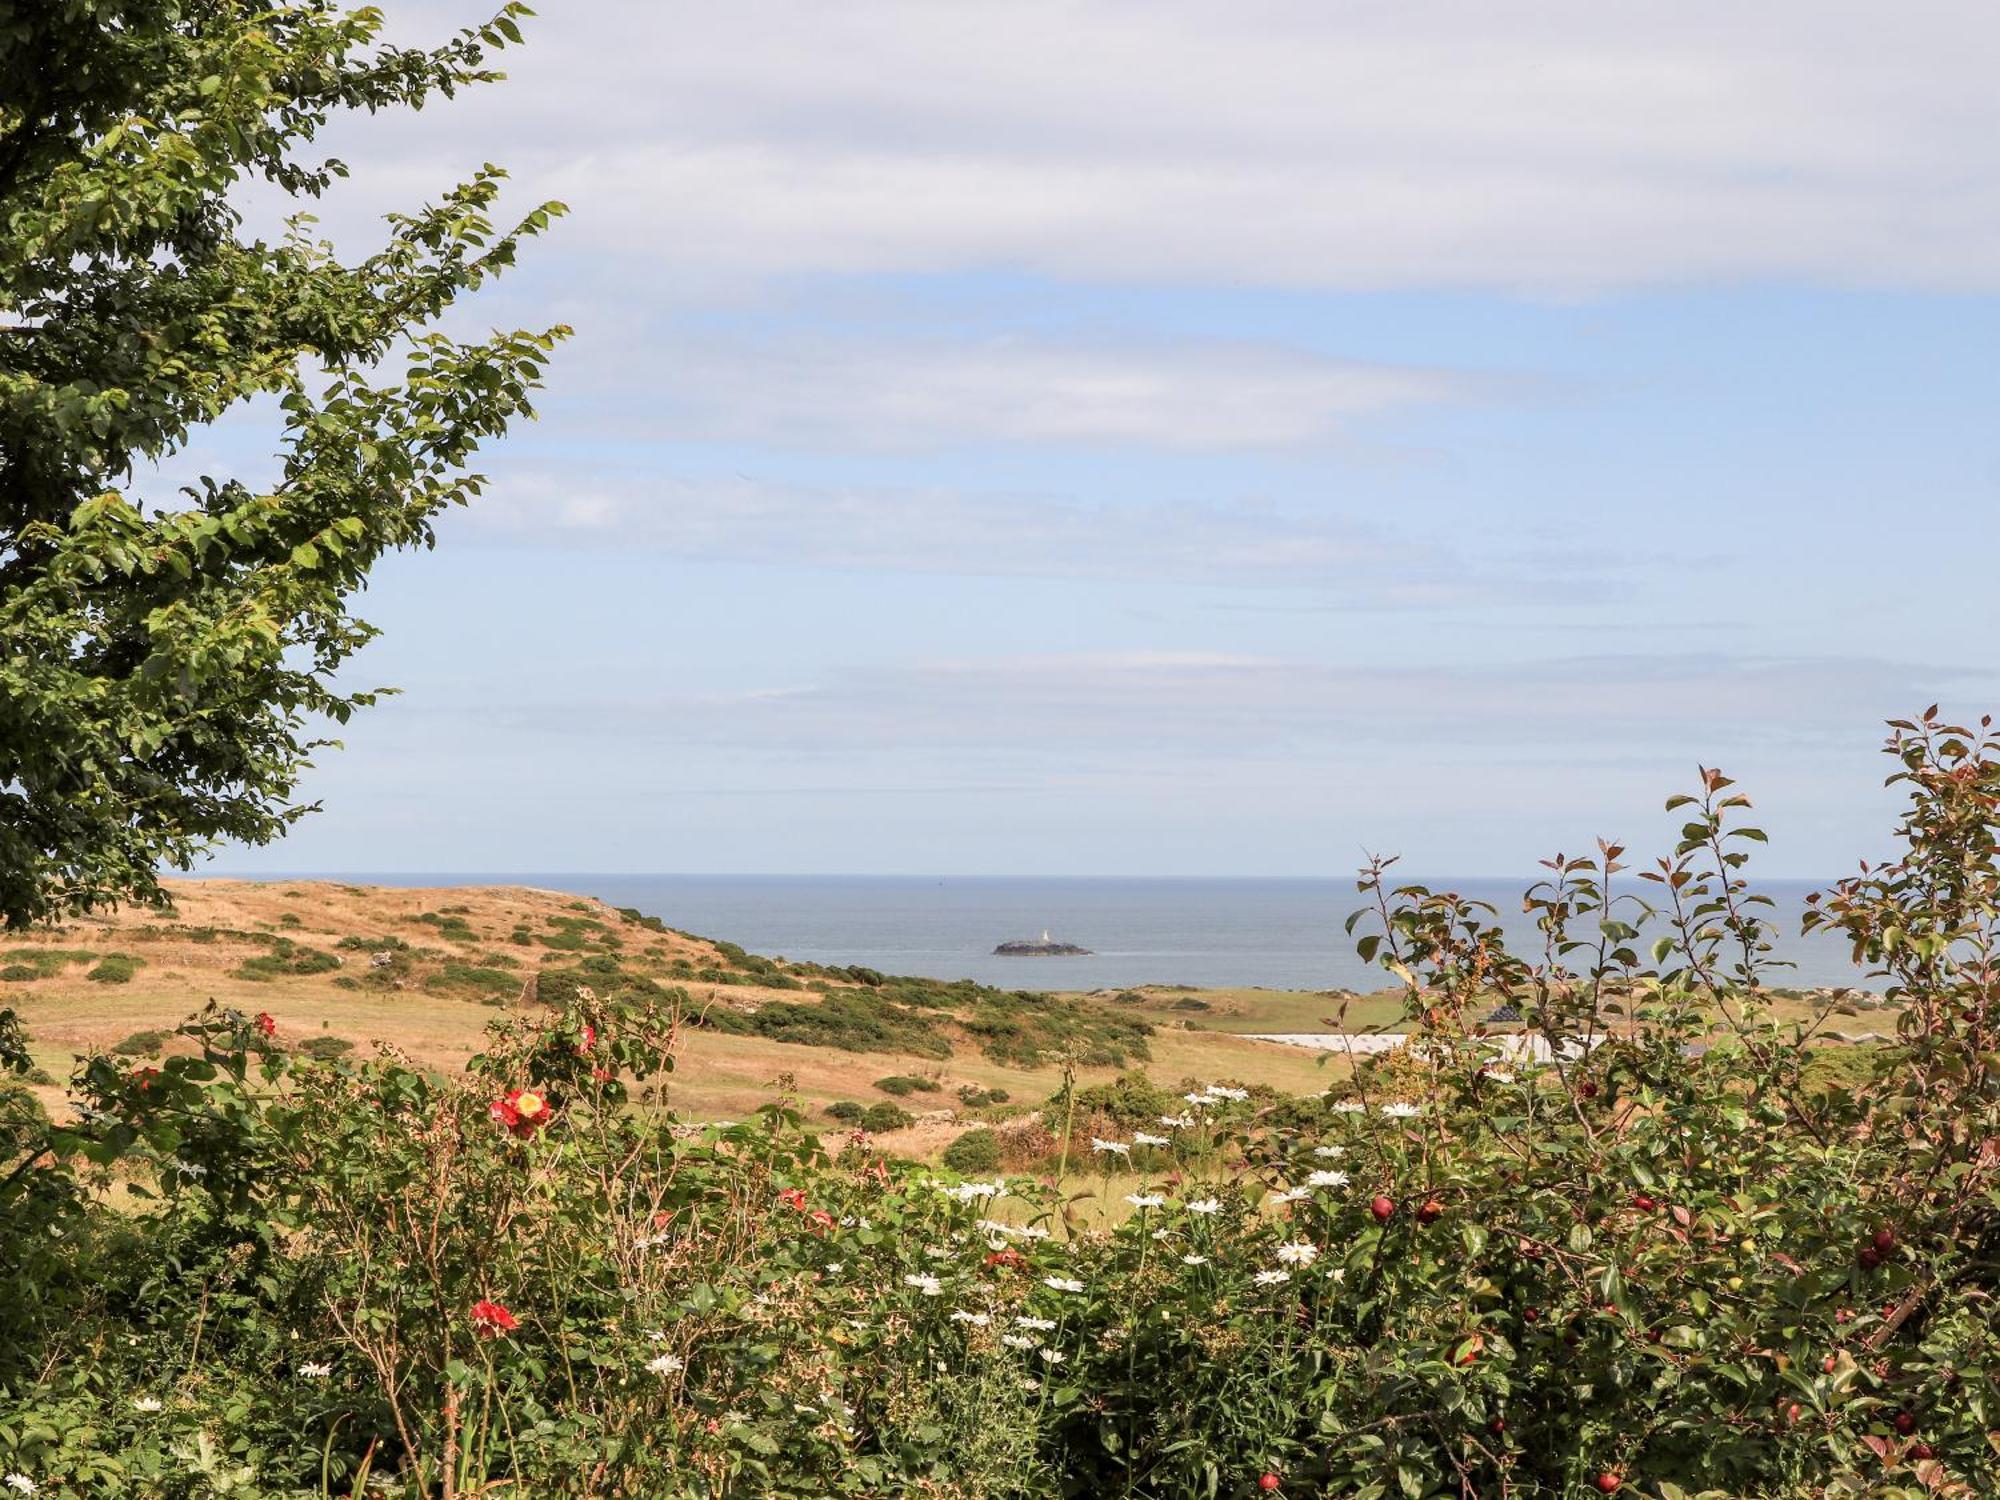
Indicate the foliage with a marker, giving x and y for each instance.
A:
(975, 1152)
(1667, 1263)
(165, 658)
(885, 1116)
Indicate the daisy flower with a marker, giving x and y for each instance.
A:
(1194, 1260)
(1144, 1200)
(666, 1364)
(20, 1484)
(314, 1370)
(1350, 1107)
(1016, 1341)
(976, 1319)
(1051, 1356)
(148, 1403)
(930, 1286)
(1141, 1138)
(1401, 1111)
(1039, 1325)
(1063, 1283)
(1205, 1206)
(1326, 1178)
(1114, 1148)
(1329, 1152)
(1297, 1253)
(1272, 1278)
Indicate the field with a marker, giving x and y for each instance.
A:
(423, 971)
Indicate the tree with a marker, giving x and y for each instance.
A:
(166, 665)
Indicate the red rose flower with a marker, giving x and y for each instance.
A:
(492, 1320)
(793, 1198)
(587, 1038)
(266, 1023)
(523, 1111)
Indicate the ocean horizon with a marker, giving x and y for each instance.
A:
(1253, 932)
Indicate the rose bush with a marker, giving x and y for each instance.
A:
(1668, 1260)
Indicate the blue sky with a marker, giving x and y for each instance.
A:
(1120, 438)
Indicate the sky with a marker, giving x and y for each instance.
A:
(1181, 439)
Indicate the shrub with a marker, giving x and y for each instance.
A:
(286, 959)
(324, 1048)
(901, 1085)
(115, 968)
(16, 973)
(974, 1152)
(847, 1111)
(885, 1116)
(140, 1044)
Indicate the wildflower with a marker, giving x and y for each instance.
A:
(491, 1319)
(522, 1111)
(1033, 1231)
(1218, 1091)
(1114, 1148)
(1329, 1152)
(586, 1037)
(1144, 1200)
(976, 1319)
(1292, 1195)
(930, 1286)
(1401, 1111)
(1326, 1178)
(1177, 1122)
(1016, 1341)
(1063, 1283)
(666, 1364)
(1205, 1206)
(1199, 1101)
(1162, 1234)
(1272, 1278)
(148, 1403)
(1051, 1356)
(835, 1267)
(1007, 1258)
(1038, 1325)
(266, 1023)
(1495, 1075)
(969, 1192)
(1350, 1107)
(1297, 1253)
(1194, 1260)
(21, 1484)
(314, 1370)
(1141, 1138)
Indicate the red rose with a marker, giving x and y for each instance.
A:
(492, 1320)
(587, 1038)
(266, 1023)
(1267, 1482)
(523, 1111)
(794, 1198)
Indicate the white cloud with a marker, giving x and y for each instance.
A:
(1364, 562)
(1555, 145)
(891, 394)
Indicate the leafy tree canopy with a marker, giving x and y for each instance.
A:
(167, 660)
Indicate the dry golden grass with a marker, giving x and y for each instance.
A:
(719, 1075)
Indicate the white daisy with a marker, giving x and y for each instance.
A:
(1205, 1206)
(667, 1364)
(930, 1286)
(1271, 1278)
(21, 1484)
(1329, 1152)
(1350, 1107)
(1039, 1325)
(976, 1319)
(1114, 1148)
(1141, 1138)
(1220, 1092)
(1052, 1356)
(313, 1370)
(1297, 1253)
(1177, 1122)
(1494, 1075)
(1194, 1260)
(1292, 1195)
(1401, 1111)
(1199, 1101)
(148, 1403)
(1063, 1283)
(1016, 1341)
(1327, 1178)
(1144, 1200)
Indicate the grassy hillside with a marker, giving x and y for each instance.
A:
(424, 970)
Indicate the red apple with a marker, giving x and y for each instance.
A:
(1644, 1202)
(1267, 1482)
(1497, 1426)
(1610, 1482)
(1430, 1212)
(1922, 1451)
(1382, 1207)
(1885, 1239)
(1869, 1257)
(1905, 1423)
(1530, 1314)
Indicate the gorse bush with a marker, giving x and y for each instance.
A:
(1667, 1263)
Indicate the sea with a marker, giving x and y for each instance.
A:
(1238, 933)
